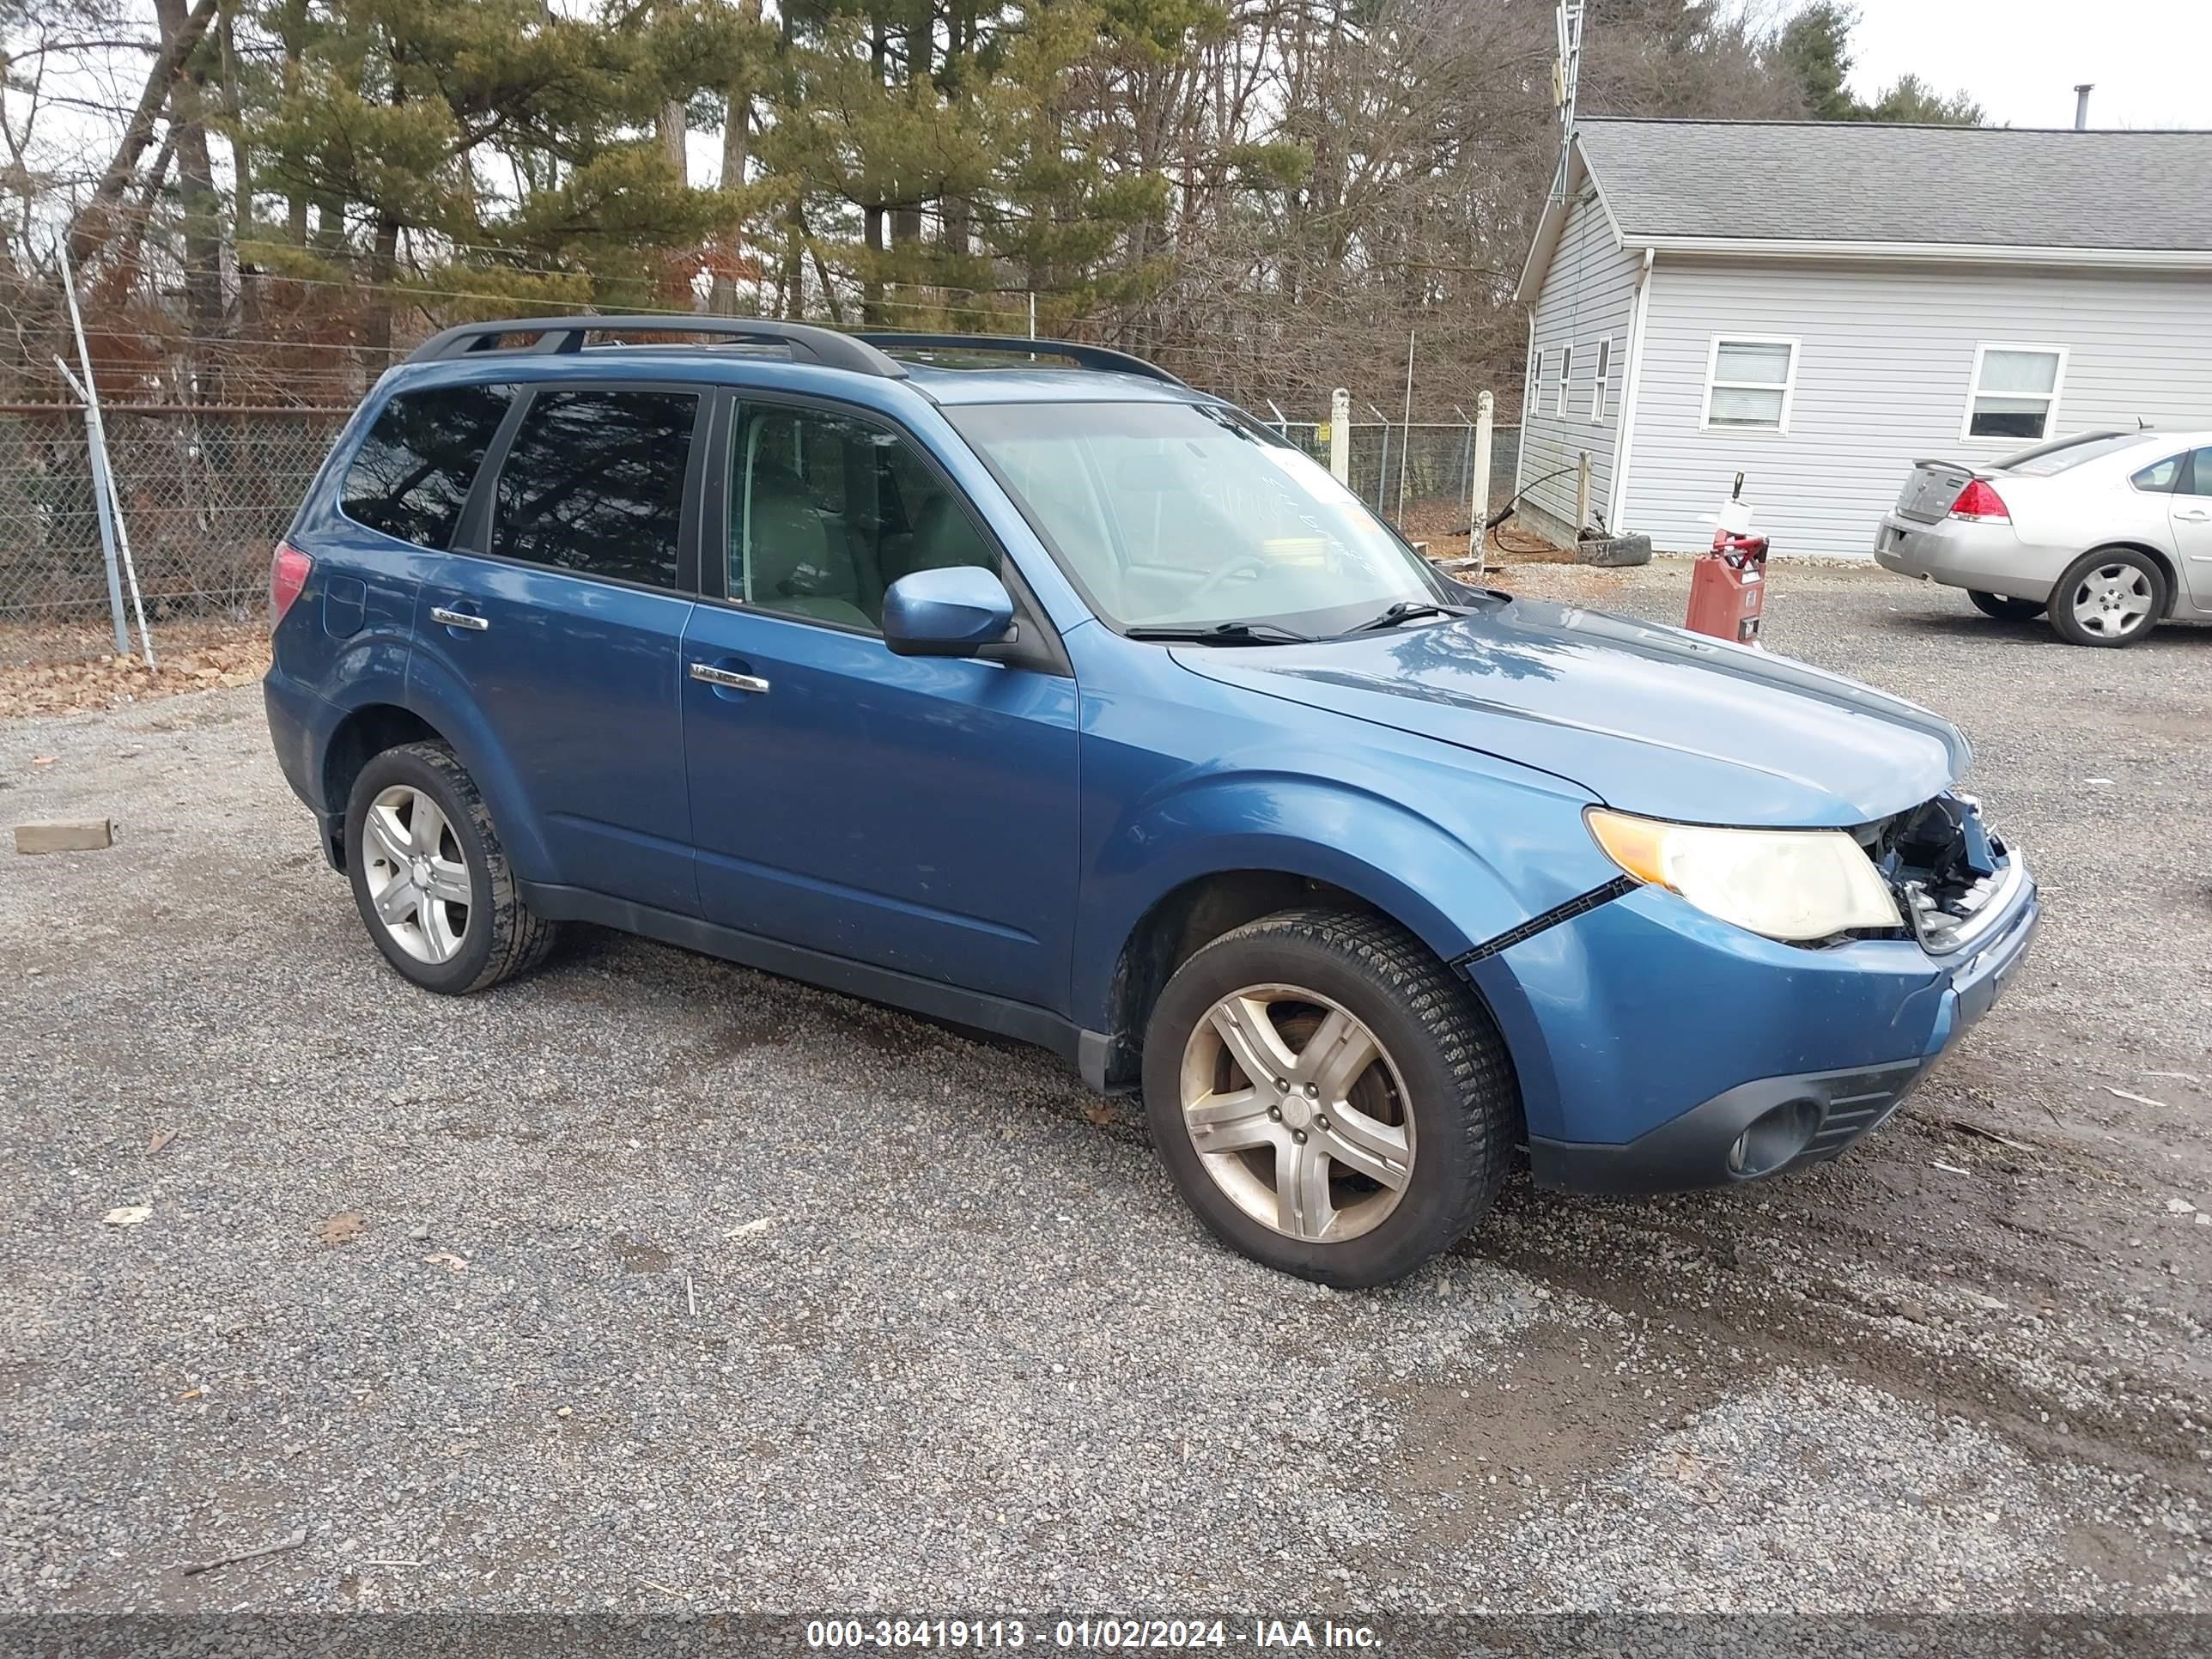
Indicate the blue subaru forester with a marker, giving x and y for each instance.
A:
(1046, 695)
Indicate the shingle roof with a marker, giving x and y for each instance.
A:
(1857, 182)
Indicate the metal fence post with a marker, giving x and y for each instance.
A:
(93, 446)
(1340, 434)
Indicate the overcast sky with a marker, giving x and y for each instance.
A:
(2151, 60)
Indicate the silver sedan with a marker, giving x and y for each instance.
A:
(2109, 534)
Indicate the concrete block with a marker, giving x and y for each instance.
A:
(65, 836)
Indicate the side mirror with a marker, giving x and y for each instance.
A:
(952, 612)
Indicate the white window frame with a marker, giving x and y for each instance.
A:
(1566, 381)
(1974, 393)
(1602, 381)
(1532, 401)
(1788, 385)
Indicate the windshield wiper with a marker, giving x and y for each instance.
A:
(1228, 633)
(1407, 609)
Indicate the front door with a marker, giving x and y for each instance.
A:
(566, 635)
(2192, 527)
(916, 814)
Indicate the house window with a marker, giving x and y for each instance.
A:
(2015, 392)
(1535, 387)
(1601, 387)
(1749, 381)
(1566, 376)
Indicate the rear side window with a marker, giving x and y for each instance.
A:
(593, 483)
(413, 472)
(2160, 476)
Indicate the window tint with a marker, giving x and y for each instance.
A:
(413, 472)
(2015, 392)
(2197, 478)
(2160, 476)
(826, 512)
(594, 483)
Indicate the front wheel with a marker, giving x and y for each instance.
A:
(2005, 607)
(2112, 596)
(1328, 1098)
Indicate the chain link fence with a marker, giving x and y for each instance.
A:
(206, 491)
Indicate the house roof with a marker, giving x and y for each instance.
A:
(1859, 190)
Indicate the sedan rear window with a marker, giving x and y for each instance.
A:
(2050, 460)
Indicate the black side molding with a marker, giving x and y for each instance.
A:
(1551, 918)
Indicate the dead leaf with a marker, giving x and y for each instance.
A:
(128, 1215)
(446, 1260)
(1100, 1112)
(160, 1139)
(341, 1229)
(192, 1394)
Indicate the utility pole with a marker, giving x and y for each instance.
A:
(1565, 72)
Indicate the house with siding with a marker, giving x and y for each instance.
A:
(1817, 305)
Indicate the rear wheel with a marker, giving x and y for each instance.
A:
(1329, 1099)
(430, 878)
(2005, 607)
(2112, 596)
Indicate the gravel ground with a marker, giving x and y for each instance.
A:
(667, 1284)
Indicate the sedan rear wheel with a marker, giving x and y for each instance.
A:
(2112, 596)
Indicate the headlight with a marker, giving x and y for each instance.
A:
(1785, 883)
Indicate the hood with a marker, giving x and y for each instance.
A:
(1651, 719)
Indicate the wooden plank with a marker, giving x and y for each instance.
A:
(65, 836)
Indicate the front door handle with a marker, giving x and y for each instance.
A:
(475, 624)
(2195, 515)
(728, 677)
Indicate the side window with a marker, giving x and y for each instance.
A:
(827, 511)
(593, 483)
(2161, 476)
(411, 475)
(2197, 478)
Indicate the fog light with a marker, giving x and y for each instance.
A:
(1775, 1136)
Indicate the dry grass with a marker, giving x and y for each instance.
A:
(64, 669)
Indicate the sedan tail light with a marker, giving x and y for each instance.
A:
(1979, 504)
(288, 575)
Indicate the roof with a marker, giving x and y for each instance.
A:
(1860, 189)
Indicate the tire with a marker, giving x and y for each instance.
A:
(2005, 607)
(433, 937)
(1440, 1070)
(2110, 596)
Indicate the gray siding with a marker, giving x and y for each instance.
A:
(1885, 366)
(1588, 295)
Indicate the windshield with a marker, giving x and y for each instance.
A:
(1185, 515)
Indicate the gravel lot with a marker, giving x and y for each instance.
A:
(677, 1286)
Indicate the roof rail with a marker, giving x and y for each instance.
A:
(1084, 356)
(566, 334)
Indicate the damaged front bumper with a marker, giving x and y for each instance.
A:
(1661, 1050)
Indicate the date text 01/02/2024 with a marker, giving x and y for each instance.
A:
(1087, 1633)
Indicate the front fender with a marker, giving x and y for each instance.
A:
(1483, 853)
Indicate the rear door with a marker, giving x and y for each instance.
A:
(2191, 517)
(561, 614)
(913, 813)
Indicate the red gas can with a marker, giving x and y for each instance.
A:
(1727, 588)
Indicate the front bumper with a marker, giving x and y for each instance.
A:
(1651, 1039)
(1989, 557)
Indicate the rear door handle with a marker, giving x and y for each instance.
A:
(2195, 515)
(440, 613)
(728, 677)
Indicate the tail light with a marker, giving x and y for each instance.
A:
(288, 575)
(1980, 504)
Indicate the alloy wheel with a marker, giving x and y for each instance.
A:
(418, 874)
(1297, 1112)
(2112, 600)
